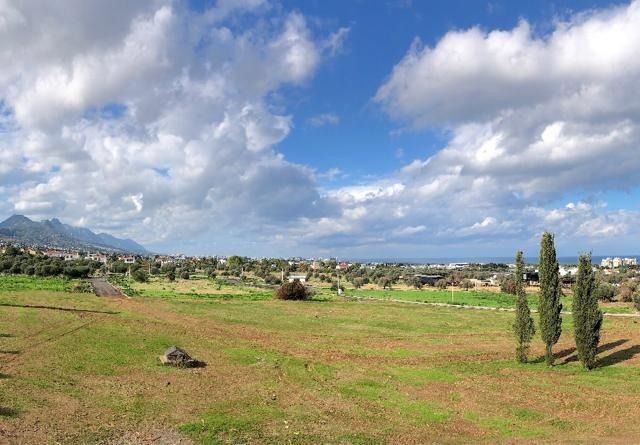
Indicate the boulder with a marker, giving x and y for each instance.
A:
(178, 357)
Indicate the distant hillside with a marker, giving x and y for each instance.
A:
(53, 233)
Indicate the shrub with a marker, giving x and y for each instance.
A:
(636, 302)
(140, 276)
(171, 275)
(292, 291)
(76, 271)
(508, 286)
(441, 284)
(626, 293)
(605, 292)
(466, 284)
(185, 275)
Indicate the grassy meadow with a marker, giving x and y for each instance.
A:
(81, 369)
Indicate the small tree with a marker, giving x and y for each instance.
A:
(140, 276)
(441, 284)
(549, 306)
(185, 275)
(587, 316)
(466, 284)
(171, 275)
(605, 291)
(508, 286)
(523, 326)
(292, 291)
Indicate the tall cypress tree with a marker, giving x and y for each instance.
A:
(523, 326)
(587, 316)
(549, 306)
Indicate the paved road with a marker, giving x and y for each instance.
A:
(103, 288)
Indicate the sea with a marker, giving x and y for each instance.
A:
(564, 260)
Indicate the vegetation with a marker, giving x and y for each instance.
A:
(523, 326)
(587, 316)
(292, 291)
(15, 262)
(355, 374)
(549, 304)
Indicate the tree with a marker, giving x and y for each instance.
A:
(466, 284)
(140, 275)
(508, 286)
(605, 291)
(523, 326)
(441, 284)
(549, 306)
(587, 316)
(171, 275)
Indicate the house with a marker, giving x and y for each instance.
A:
(71, 256)
(128, 259)
(342, 266)
(55, 253)
(99, 257)
(297, 277)
(614, 263)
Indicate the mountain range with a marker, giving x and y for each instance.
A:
(53, 233)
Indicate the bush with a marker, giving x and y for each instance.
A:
(171, 275)
(466, 284)
(605, 292)
(508, 286)
(185, 275)
(636, 302)
(140, 276)
(76, 271)
(292, 291)
(441, 284)
(626, 293)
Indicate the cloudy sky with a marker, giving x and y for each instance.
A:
(326, 127)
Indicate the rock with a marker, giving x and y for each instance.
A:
(178, 357)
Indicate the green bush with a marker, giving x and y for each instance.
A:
(140, 275)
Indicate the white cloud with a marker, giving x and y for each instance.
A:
(531, 121)
(157, 126)
(335, 42)
(320, 120)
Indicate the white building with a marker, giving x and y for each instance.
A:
(300, 278)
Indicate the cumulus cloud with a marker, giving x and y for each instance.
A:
(156, 126)
(531, 120)
(160, 126)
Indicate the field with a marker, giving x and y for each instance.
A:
(81, 369)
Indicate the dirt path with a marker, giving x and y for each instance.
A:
(103, 288)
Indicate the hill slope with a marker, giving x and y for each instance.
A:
(53, 233)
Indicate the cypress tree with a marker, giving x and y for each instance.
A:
(587, 316)
(523, 326)
(549, 306)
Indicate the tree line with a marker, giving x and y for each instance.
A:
(587, 316)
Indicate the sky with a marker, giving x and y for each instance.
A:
(362, 129)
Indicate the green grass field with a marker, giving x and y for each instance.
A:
(80, 369)
(471, 298)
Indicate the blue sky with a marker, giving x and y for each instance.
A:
(363, 129)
